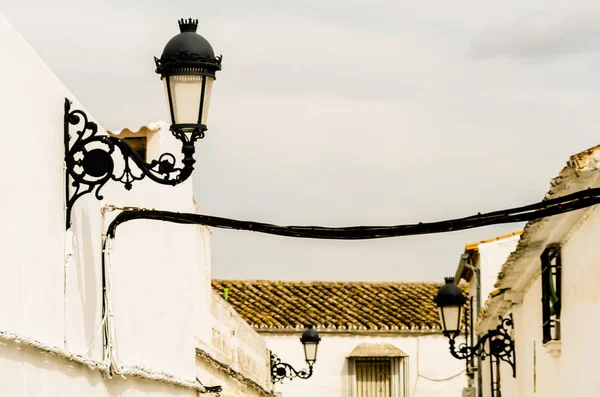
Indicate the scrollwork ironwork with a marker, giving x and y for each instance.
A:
(497, 343)
(281, 371)
(90, 164)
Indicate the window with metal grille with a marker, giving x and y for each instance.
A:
(551, 293)
(379, 377)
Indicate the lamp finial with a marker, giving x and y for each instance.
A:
(188, 25)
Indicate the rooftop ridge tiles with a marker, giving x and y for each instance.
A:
(334, 306)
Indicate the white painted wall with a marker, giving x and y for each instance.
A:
(152, 275)
(428, 352)
(160, 272)
(580, 313)
(574, 371)
(492, 256)
(26, 372)
(237, 344)
(32, 239)
(155, 268)
(231, 387)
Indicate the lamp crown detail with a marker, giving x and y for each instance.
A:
(188, 25)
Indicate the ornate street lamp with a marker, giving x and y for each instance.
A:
(497, 343)
(187, 67)
(310, 341)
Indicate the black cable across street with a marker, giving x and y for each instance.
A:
(560, 205)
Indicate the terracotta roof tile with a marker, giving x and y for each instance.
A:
(334, 305)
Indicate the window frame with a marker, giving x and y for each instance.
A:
(551, 279)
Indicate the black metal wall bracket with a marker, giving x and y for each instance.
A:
(89, 162)
(497, 343)
(281, 371)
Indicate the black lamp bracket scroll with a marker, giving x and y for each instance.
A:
(497, 343)
(281, 371)
(90, 165)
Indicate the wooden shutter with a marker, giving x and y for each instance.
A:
(400, 380)
(373, 378)
(378, 377)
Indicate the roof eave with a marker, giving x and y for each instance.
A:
(522, 266)
(373, 332)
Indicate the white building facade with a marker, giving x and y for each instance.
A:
(136, 319)
(549, 287)
(479, 266)
(377, 339)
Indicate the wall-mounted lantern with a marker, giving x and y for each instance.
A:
(450, 301)
(187, 67)
(310, 341)
(497, 343)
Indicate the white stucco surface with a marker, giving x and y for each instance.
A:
(565, 367)
(52, 280)
(492, 256)
(573, 371)
(580, 313)
(26, 372)
(428, 358)
(32, 240)
(59, 302)
(236, 344)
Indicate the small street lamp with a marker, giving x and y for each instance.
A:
(310, 341)
(497, 343)
(187, 67)
(450, 301)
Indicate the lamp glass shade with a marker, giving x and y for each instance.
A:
(310, 351)
(188, 96)
(450, 318)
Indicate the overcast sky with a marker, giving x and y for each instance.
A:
(334, 113)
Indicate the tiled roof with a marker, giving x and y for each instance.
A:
(343, 306)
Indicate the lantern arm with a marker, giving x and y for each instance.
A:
(497, 343)
(162, 171)
(90, 165)
(281, 371)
